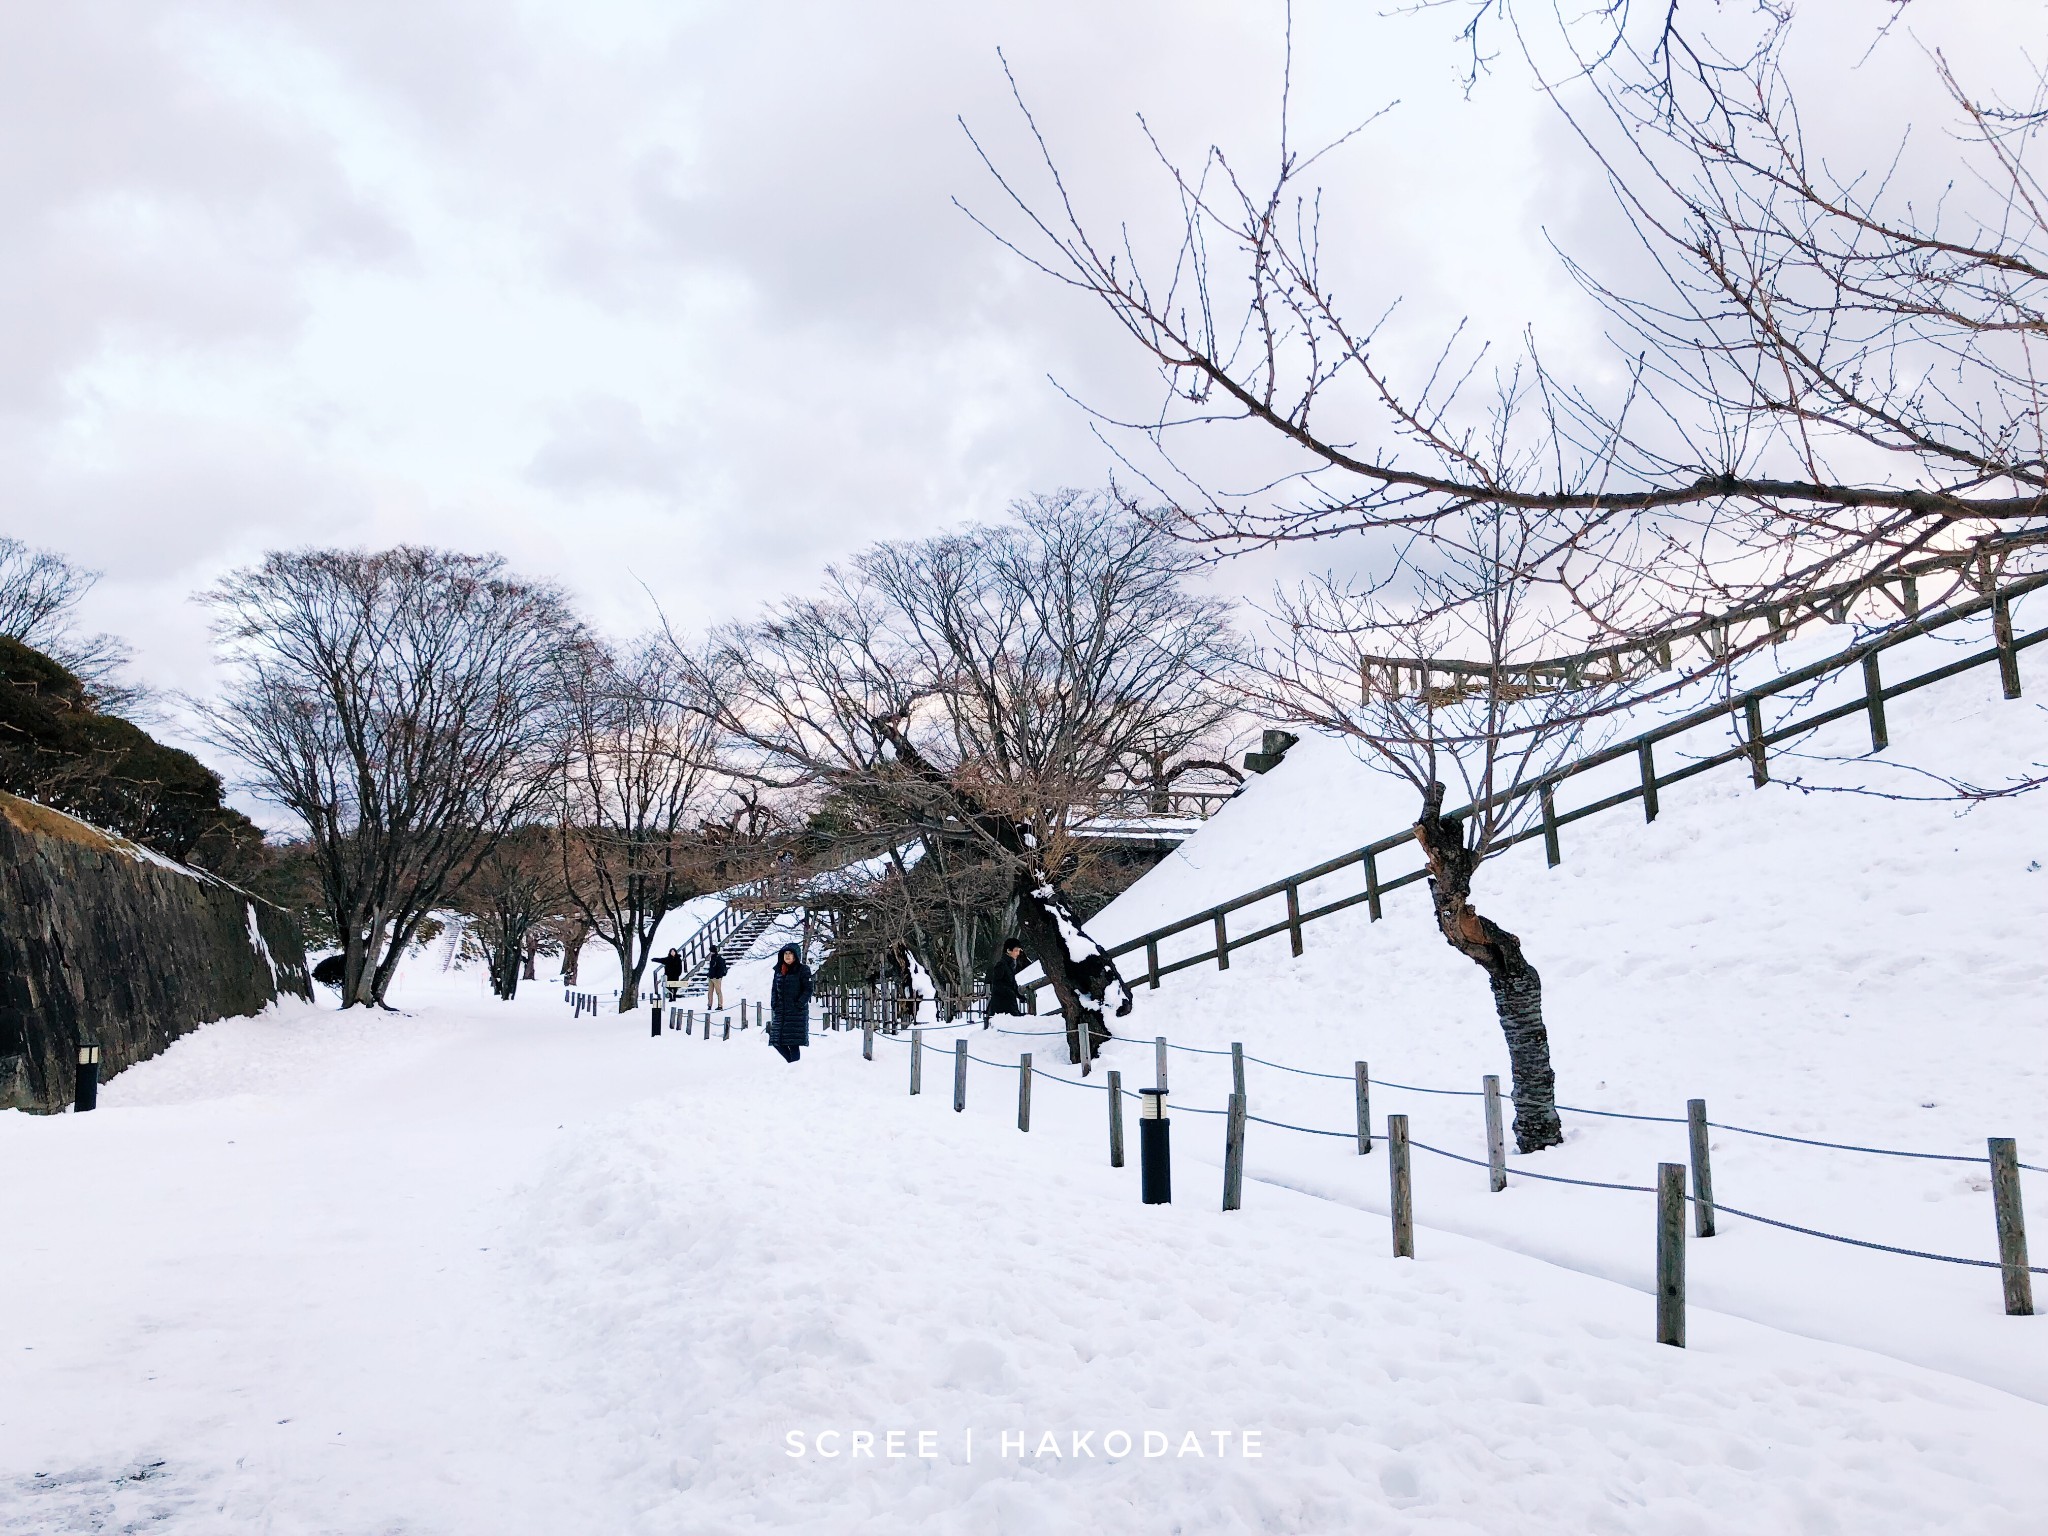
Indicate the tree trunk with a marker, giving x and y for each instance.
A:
(629, 974)
(572, 950)
(1082, 988)
(1084, 984)
(1517, 989)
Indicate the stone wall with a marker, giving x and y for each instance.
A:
(104, 942)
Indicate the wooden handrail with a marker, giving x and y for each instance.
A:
(1743, 705)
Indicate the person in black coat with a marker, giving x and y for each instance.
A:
(1003, 996)
(789, 1004)
(714, 982)
(672, 972)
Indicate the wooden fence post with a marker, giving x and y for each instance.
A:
(1237, 1067)
(917, 1061)
(1550, 848)
(2008, 658)
(1159, 1062)
(1372, 886)
(1671, 1254)
(1648, 759)
(1702, 1172)
(1759, 766)
(867, 1039)
(1496, 1144)
(1023, 1091)
(1152, 963)
(1364, 1109)
(959, 1076)
(1294, 918)
(1403, 1203)
(1233, 1154)
(1116, 1119)
(1873, 700)
(2012, 1227)
(1222, 945)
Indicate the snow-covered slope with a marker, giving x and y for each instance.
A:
(1818, 963)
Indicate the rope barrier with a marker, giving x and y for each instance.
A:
(1306, 1130)
(1335, 1077)
(1861, 1242)
(1556, 1178)
(1473, 1093)
(1843, 1146)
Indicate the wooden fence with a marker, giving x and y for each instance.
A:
(1743, 710)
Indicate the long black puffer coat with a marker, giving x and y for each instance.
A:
(789, 1002)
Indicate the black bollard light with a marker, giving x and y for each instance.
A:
(88, 1079)
(654, 1015)
(1155, 1150)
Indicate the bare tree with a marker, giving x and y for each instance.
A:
(1835, 374)
(401, 704)
(40, 591)
(1425, 673)
(641, 767)
(512, 898)
(984, 691)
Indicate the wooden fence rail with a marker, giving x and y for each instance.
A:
(1743, 710)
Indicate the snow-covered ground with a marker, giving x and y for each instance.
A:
(489, 1268)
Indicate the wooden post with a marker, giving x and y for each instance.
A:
(1233, 1154)
(1294, 918)
(1237, 1067)
(2012, 1227)
(917, 1061)
(1702, 1172)
(1873, 694)
(1372, 886)
(1364, 1108)
(1403, 1203)
(1023, 1090)
(1649, 764)
(1909, 596)
(728, 1029)
(1116, 1119)
(1159, 1063)
(1152, 963)
(959, 1076)
(1550, 848)
(1222, 945)
(2008, 658)
(1496, 1143)
(1671, 1254)
(1759, 767)
(867, 1039)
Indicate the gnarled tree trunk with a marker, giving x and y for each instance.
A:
(1085, 982)
(1517, 989)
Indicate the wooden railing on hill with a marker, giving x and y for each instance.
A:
(1744, 710)
(1897, 588)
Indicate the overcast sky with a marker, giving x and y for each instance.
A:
(669, 293)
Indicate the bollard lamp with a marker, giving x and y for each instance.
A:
(1155, 1152)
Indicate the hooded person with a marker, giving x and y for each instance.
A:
(789, 1003)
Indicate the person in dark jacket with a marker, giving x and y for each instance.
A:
(789, 1004)
(1003, 996)
(672, 973)
(714, 981)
